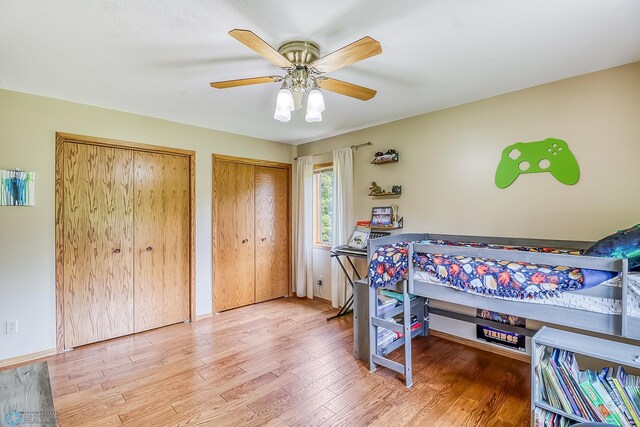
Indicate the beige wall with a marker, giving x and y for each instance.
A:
(27, 139)
(448, 161)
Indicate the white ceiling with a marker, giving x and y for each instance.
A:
(157, 57)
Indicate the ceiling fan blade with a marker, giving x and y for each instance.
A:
(245, 82)
(348, 89)
(261, 47)
(364, 48)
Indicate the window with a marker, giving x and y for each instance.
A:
(322, 204)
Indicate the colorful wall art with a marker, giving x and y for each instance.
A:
(551, 155)
(17, 188)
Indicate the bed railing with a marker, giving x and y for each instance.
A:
(394, 238)
(514, 241)
(566, 260)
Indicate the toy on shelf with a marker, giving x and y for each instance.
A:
(391, 156)
(376, 191)
(394, 216)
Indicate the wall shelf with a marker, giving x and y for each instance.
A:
(385, 195)
(384, 161)
(390, 227)
(391, 156)
(385, 228)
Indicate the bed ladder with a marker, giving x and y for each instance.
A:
(377, 357)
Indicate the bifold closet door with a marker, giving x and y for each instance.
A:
(98, 243)
(161, 252)
(234, 267)
(176, 239)
(272, 233)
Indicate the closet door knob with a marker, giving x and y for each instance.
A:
(264, 239)
(116, 251)
(245, 240)
(149, 248)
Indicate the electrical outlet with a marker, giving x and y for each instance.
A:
(320, 280)
(12, 327)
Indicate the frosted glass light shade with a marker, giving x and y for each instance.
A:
(285, 100)
(315, 102)
(282, 115)
(313, 117)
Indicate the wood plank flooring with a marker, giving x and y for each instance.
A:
(280, 363)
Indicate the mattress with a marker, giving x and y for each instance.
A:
(600, 299)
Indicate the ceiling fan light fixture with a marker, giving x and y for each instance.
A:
(313, 116)
(284, 104)
(284, 101)
(282, 115)
(315, 101)
(304, 72)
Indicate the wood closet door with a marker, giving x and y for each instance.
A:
(234, 269)
(162, 240)
(98, 243)
(272, 232)
(176, 239)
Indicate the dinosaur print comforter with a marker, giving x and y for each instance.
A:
(517, 280)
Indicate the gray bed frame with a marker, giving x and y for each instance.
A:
(612, 324)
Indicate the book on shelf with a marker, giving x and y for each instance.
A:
(584, 379)
(617, 379)
(606, 397)
(396, 295)
(570, 365)
(611, 396)
(387, 336)
(613, 393)
(546, 418)
(415, 324)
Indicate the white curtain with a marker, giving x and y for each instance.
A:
(343, 223)
(303, 227)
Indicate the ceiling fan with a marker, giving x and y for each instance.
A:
(304, 72)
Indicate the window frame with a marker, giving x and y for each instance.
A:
(317, 169)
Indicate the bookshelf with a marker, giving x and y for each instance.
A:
(612, 353)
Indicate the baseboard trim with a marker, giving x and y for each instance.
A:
(20, 360)
(203, 316)
(523, 357)
(326, 301)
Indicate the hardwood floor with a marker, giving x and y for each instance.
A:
(280, 363)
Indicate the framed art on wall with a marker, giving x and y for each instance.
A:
(17, 188)
(381, 216)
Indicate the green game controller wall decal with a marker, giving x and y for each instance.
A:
(551, 155)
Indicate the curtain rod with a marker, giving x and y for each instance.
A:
(327, 152)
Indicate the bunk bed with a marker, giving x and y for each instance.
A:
(614, 318)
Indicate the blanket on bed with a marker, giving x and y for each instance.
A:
(491, 277)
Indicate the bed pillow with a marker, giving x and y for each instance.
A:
(623, 244)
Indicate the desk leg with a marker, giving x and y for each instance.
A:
(355, 271)
(348, 304)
